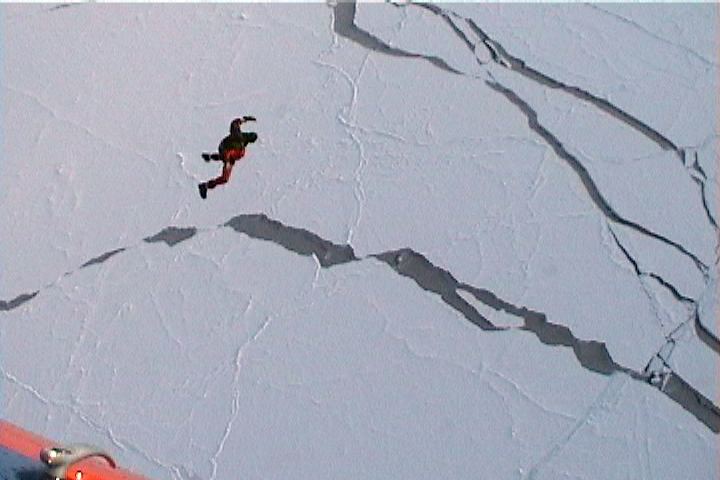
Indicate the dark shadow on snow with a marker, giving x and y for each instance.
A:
(587, 181)
(172, 235)
(433, 279)
(6, 305)
(102, 258)
(297, 240)
(344, 25)
(590, 354)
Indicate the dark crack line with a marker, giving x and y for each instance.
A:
(703, 196)
(590, 354)
(691, 400)
(500, 56)
(505, 59)
(445, 15)
(669, 286)
(519, 66)
(705, 335)
(701, 181)
(697, 167)
(297, 240)
(460, 34)
(433, 279)
(7, 305)
(102, 258)
(702, 332)
(587, 181)
(171, 236)
(658, 369)
(344, 26)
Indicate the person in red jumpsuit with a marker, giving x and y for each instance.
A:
(231, 148)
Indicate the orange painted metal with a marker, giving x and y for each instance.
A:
(29, 445)
(21, 441)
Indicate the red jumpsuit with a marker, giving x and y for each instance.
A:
(228, 158)
(231, 148)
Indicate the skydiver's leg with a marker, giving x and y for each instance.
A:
(222, 179)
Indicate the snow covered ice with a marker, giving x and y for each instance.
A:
(471, 241)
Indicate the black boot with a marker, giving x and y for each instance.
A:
(203, 190)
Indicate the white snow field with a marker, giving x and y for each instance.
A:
(472, 240)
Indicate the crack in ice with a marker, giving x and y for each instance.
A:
(7, 305)
(698, 56)
(501, 57)
(344, 26)
(593, 191)
(590, 354)
(172, 235)
(707, 337)
(640, 273)
(350, 128)
(102, 258)
(611, 390)
(235, 407)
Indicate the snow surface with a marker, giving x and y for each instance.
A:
(472, 241)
